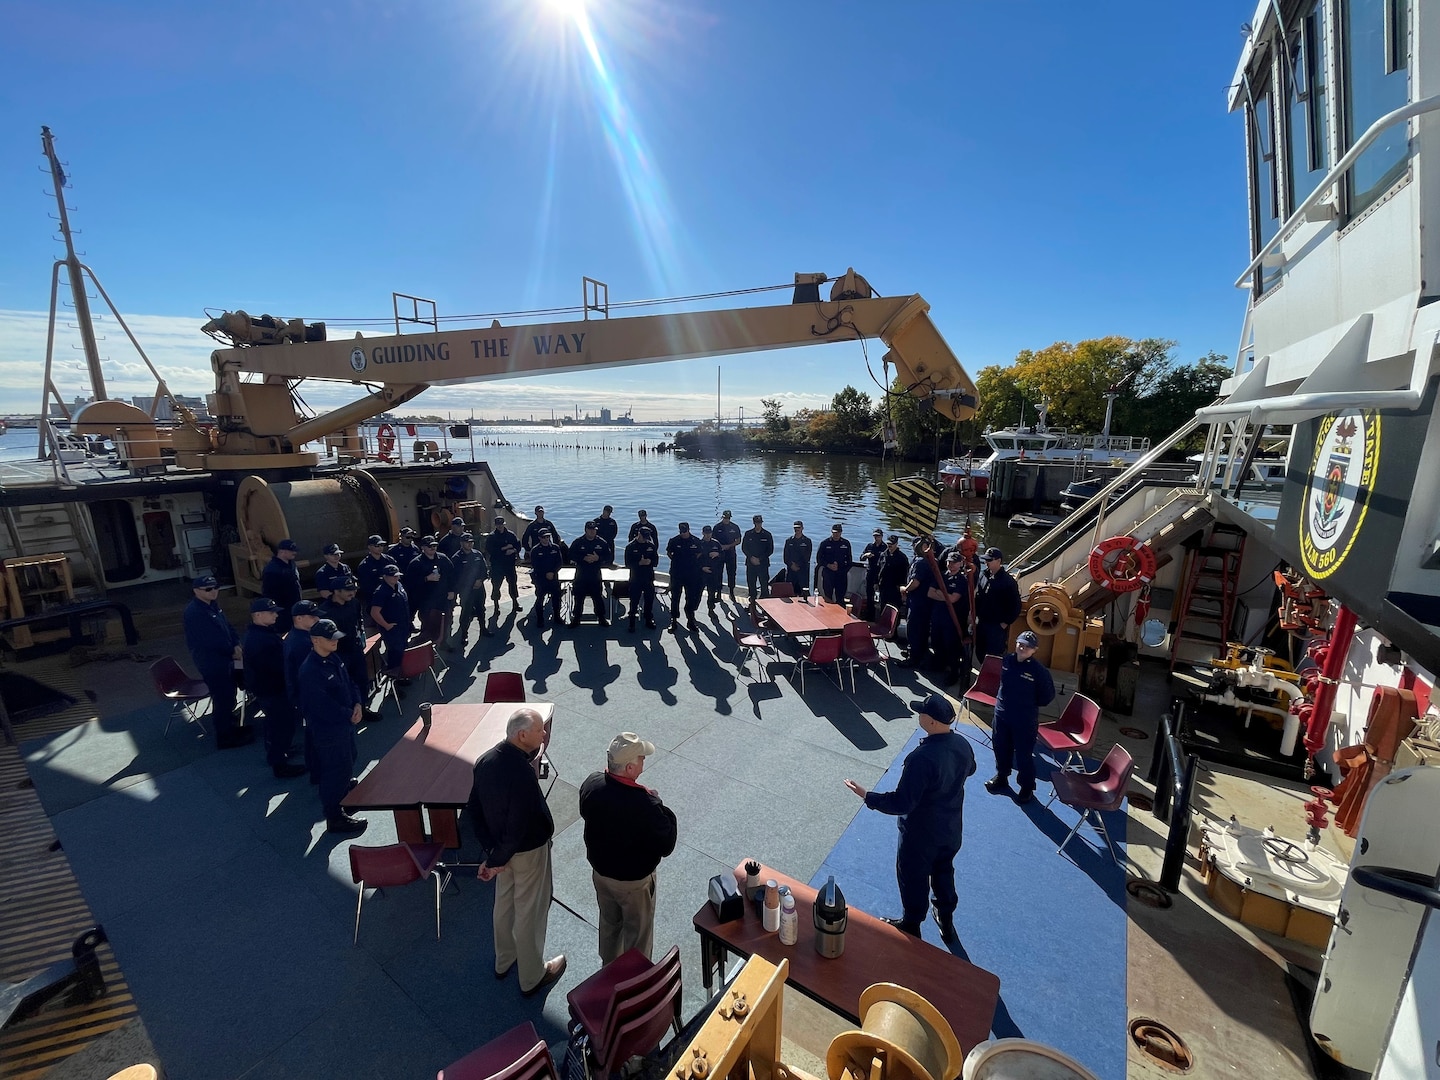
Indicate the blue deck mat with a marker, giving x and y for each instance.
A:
(1052, 927)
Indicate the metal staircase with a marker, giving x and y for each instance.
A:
(1205, 610)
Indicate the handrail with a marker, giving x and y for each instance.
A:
(1023, 561)
(1172, 771)
(1337, 171)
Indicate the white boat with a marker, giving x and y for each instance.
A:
(1043, 444)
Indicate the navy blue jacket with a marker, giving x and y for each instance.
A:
(920, 571)
(1025, 685)
(346, 618)
(543, 561)
(503, 547)
(997, 597)
(531, 538)
(797, 551)
(367, 578)
(837, 551)
(726, 534)
(450, 543)
(758, 544)
(470, 570)
(894, 569)
(401, 554)
(394, 605)
(209, 636)
(327, 577)
(646, 524)
(712, 560)
(599, 547)
(507, 808)
(929, 800)
(684, 554)
(264, 661)
(608, 528)
(430, 595)
(280, 581)
(297, 651)
(327, 699)
(642, 547)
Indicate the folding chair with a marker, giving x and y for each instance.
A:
(883, 629)
(624, 1009)
(183, 692)
(749, 638)
(519, 1054)
(395, 864)
(1093, 793)
(859, 648)
(984, 692)
(417, 660)
(1070, 736)
(825, 649)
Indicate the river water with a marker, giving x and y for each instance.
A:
(575, 471)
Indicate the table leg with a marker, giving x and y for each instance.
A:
(410, 826)
(443, 828)
(712, 961)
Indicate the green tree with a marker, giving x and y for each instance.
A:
(1172, 398)
(917, 425)
(776, 422)
(853, 413)
(1000, 397)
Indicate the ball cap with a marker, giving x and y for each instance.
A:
(684, 526)
(304, 607)
(374, 540)
(627, 746)
(327, 630)
(798, 524)
(837, 528)
(879, 532)
(263, 603)
(334, 549)
(205, 581)
(390, 570)
(349, 584)
(467, 538)
(994, 553)
(725, 513)
(1028, 637)
(499, 521)
(428, 541)
(705, 529)
(590, 525)
(406, 531)
(937, 707)
(287, 545)
(457, 521)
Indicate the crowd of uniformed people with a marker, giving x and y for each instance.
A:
(304, 662)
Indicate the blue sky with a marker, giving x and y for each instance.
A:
(1038, 171)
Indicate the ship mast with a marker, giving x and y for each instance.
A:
(75, 270)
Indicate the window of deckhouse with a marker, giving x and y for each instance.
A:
(1374, 76)
(1303, 71)
(1264, 190)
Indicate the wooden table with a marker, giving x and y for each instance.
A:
(874, 952)
(799, 616)
(431, 769)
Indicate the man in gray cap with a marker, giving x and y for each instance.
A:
(280, 580)
(1025, 685)
(929, 800)
(628, 830)
(997, 604)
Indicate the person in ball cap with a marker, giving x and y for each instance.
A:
(214, 646)
(344, 611)
(503, 549)
(331, 706)
(264, 652)
(390, 611)
(368, 573)
(591, 554)
(545, 563)
(727, 534)
(894, 573)
(870, 556)
(929, 800)
(797, 559)
(450, 542)
(997, 604)
(757, 545)
(280, 580)
(403, 550)
(712, 567)
(683, 550)
(607, 528)
(531, 535)
(330, 571)
(1025, 685)
(470, 571)
(430, 584)
(835, 557)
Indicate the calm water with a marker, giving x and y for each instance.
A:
(573, 472)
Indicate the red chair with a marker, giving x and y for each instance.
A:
(825, 649)
(1093, 793)
(749, 638)
(883, 629)
(859, 648)
(395, 864)
(780, 590)
(624, 1009)
(417, 660)
(504, 686)
(519, 1054)
(984, 691)
(183, 692)
(1069, 737)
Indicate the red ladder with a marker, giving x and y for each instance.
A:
(1206, 611)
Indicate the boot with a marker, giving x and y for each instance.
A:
(632, 622)
(346, 825)
(649, 622)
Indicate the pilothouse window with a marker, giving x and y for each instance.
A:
(1306, 160)
(1264, 200)
(1374, 58)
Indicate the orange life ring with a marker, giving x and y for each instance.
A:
(385, 440)
(1132, 566)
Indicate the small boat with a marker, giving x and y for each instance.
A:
(1036, 522)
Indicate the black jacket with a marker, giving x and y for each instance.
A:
(929, 800)
(507, 809)
(628, 830)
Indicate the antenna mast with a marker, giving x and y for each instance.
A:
(73, 266)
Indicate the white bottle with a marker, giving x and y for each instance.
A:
(789, 920)
(770, 912)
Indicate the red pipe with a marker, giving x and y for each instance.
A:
(1330, 671)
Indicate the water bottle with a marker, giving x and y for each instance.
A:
(770, 913)
(789, 920)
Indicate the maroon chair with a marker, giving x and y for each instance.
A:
(985, 690)
(519, 1054)
(780, 590)
(183, 692)
(883, 629)
(419, 659)
(824, 649)
(624, 1009)
(504, 686)
(859, 648)
(1093, 793)
(395, 864)
(1070, 736)
(749, 638)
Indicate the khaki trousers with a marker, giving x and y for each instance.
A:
(522, 909)
(627, 915)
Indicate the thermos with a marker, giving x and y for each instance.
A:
(831, 915)
(789, 920)
(770, 915)
(425, 708)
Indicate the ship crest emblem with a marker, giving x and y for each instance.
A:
(1342, 482)
(357, 359)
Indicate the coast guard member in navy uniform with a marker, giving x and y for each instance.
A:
(727, 535)
(894, 573)
(470, 573)
(403, 550)
(330, 571)
(264, 651)
(797, 560)
(757, 546)
(545, 562)
(344, 611)
(951, 648)
(997, 605)
(450, 543)
(541, 524)
(1025, 685)
(214, 646)
(608, 529)
(870, 556)
(642, 555)
(643, 522)
(591, 554)
(297, 650)
(390, 611)
(280, 580)
(917, 593)
(712, 567)
(503, 548)
(835, 558)
(367, 574)
(331, 705)
(683, 550)
(929, 800)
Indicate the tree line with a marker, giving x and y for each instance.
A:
(1156, 393)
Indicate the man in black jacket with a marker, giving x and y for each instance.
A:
(513, 824)
(264, 651)
(628, 830)
(757, 546)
